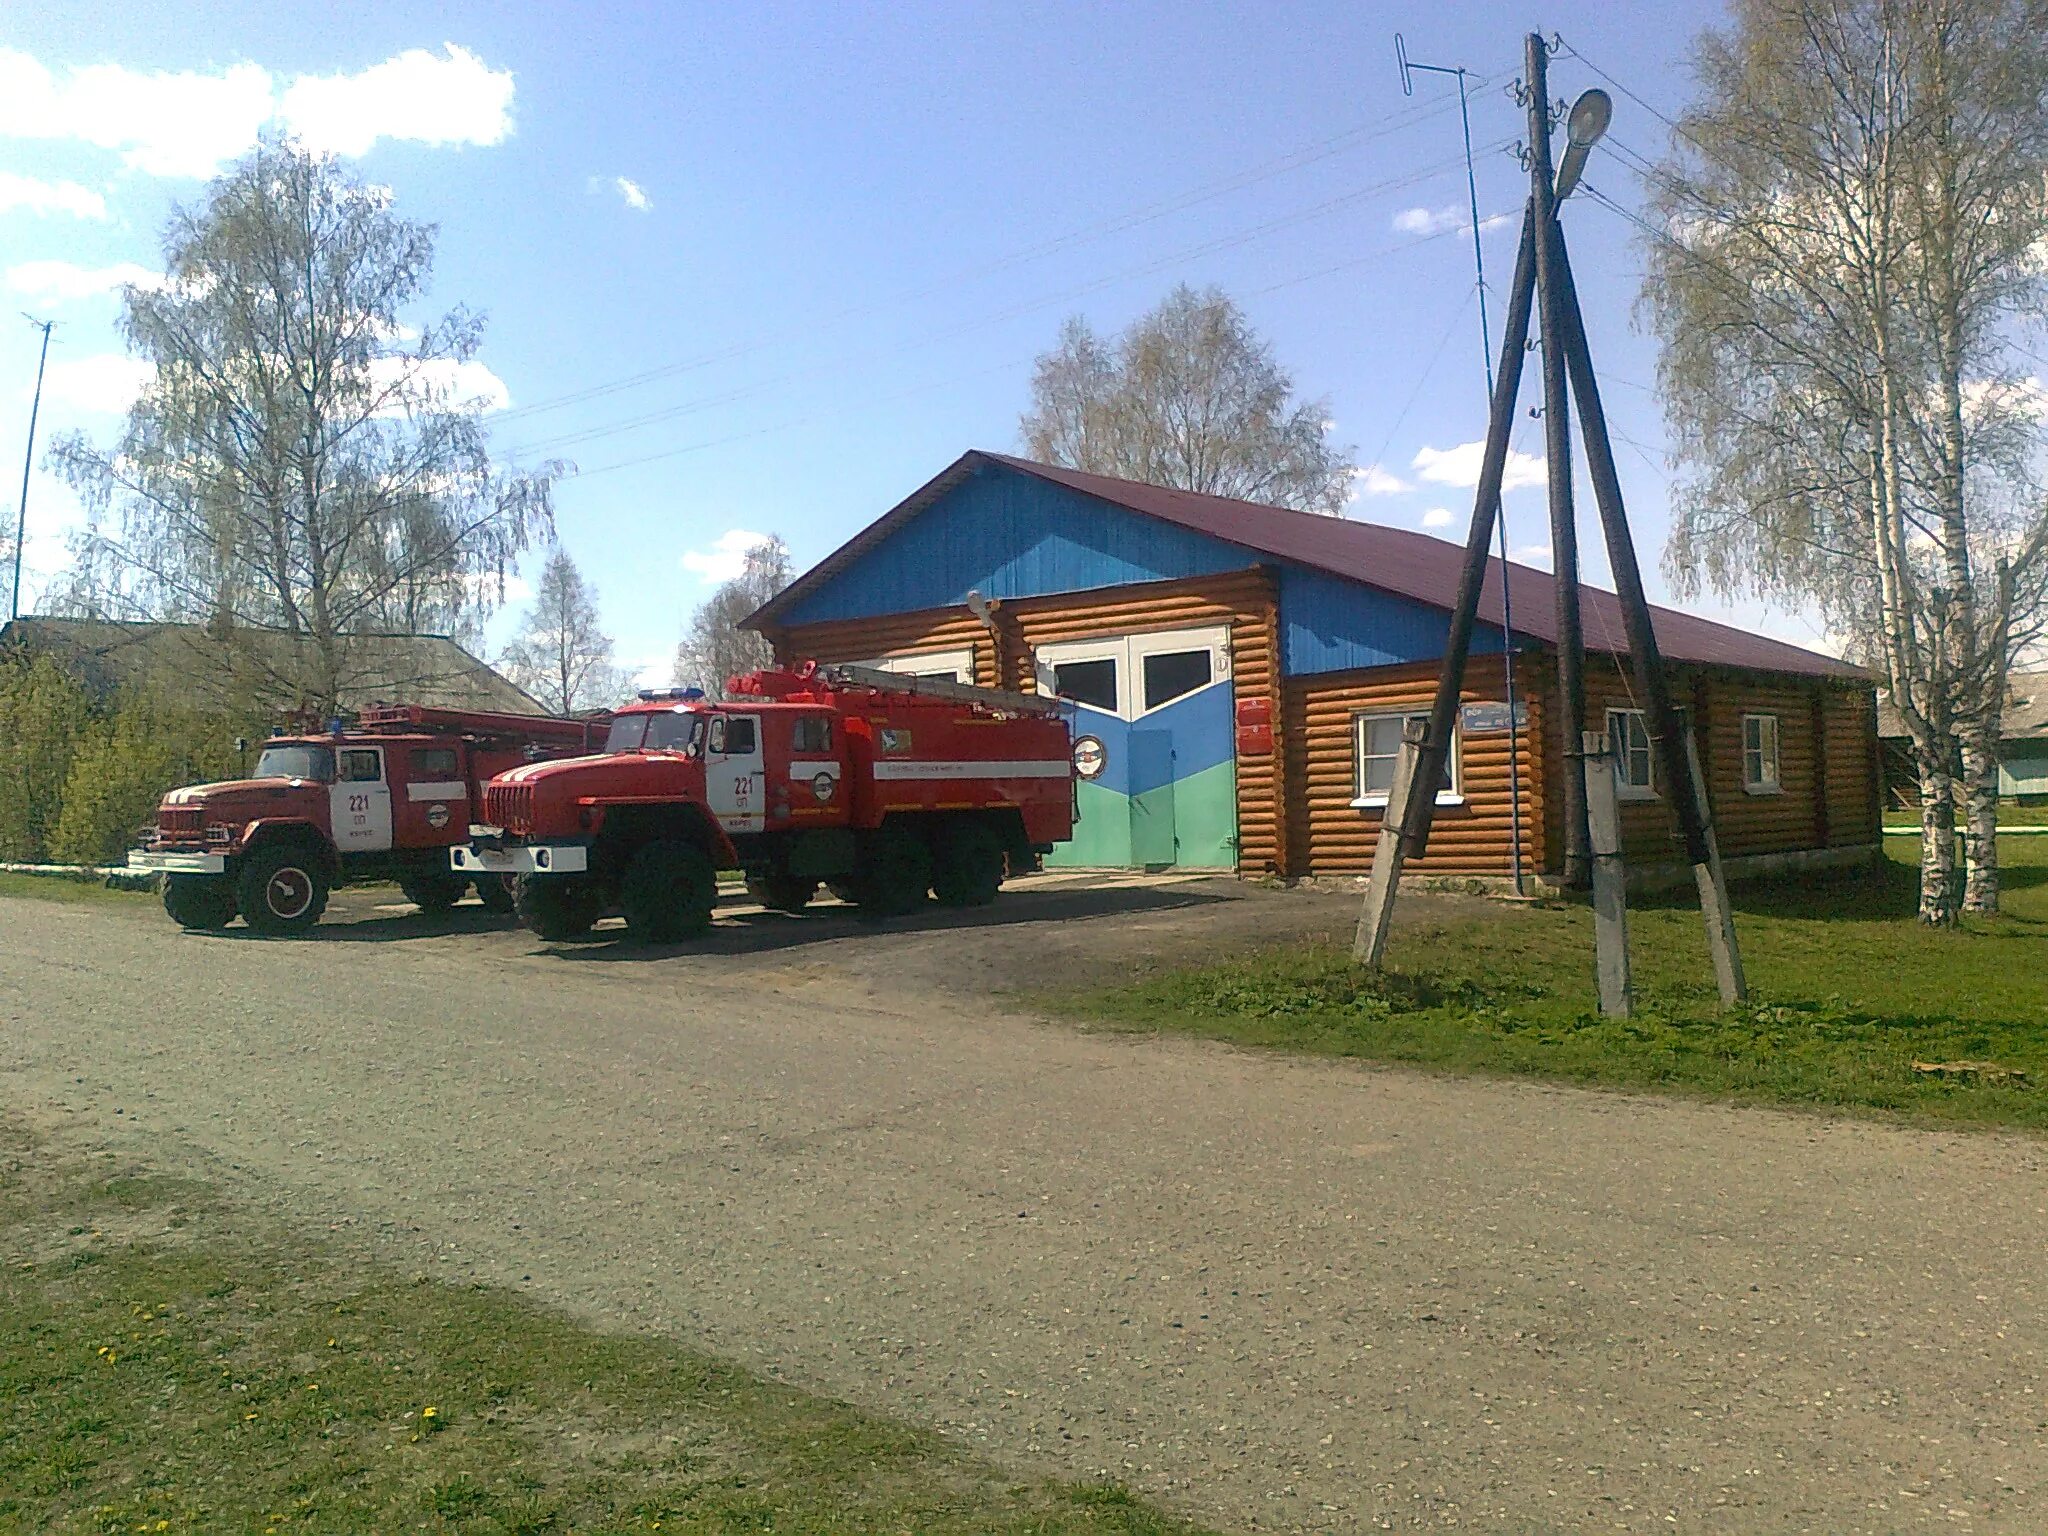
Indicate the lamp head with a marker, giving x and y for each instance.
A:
(1584, 126)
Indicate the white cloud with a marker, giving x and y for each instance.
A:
(726, 557)
(1537, 555)
(57, 282)
(1375, 480)
(445, 378)
(424, 98)
(1428, 221)
(192, 122)
(49, 197)
(105, 383)
(1438, 517)
(656, 673)
(1459, 466)
(635, 195)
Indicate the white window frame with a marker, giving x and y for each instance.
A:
(927, 663)
(1377, 801)
(1773, 784)
(1623, 789)
(1129, 653)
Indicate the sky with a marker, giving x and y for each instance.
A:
(767, 269)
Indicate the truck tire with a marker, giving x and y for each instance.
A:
(782, 893)
(282, 889)
(434, 893)
(894, 873)
(495, 892)
(969, 868)
(668, 892)
(200, 901)
(555, 908)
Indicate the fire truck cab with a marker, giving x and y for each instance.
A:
(380, 798)
(884, 788)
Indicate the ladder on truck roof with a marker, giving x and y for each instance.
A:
(427, 717)
(882, 681)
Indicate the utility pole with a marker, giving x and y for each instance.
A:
(28, 463)
(1507, 606)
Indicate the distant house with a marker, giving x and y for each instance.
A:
(1240, 675)
(244, 668)
(2022, 753)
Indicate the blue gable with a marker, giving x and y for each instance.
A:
(1006, 534)
(1328, 624)
(1011, 535)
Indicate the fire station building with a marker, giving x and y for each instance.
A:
(1240, 675)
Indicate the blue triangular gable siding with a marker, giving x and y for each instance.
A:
(1011, 535)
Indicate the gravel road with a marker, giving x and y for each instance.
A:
(1277, 1294)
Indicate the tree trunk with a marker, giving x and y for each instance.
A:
(1980, 794)
(1937, 840)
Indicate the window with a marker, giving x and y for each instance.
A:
(1170, 674)
(1378, 746)
(811, 733)
(361, 765)
(1628, 739)
(673, 730)
(434, 763)
(1760, 754)
(947, 666)
(296, 761)
(1087, 682)
(732, 735)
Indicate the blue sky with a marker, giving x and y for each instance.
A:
(769, 268)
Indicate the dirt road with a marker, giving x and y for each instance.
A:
(1278, 1294)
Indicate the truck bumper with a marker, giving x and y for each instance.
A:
(537, 859)
(145, 862)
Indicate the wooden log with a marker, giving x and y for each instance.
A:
(1610, 878)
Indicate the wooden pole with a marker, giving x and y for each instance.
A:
(1557, 444)
(1369, 945)
(1610, 878)
(1678, 761)
(1405, 823)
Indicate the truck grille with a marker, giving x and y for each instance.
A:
(178, 828)
(509, 806)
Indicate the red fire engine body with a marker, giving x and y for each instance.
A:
(381, 799)
(882, 787)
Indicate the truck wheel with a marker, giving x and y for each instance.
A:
(199, 901)
(433, 894)
(282, 889)
(555, 908)
(495, 892)
(669, 890)
(782, 893)
(969, 868)
(894, 874)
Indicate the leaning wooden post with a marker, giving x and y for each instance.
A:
(1610, 878)
(1370, 943)
(1713, 889)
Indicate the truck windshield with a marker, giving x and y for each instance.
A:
(666, 731)
(296, 760)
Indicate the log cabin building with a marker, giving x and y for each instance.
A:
(1240, 674)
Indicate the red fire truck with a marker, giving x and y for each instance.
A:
(882, 787)
(379, 799)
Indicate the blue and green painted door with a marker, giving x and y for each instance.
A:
(1155, 735)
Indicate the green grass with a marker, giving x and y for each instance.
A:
(1847, 991)
(75, 890)
(169, 1363)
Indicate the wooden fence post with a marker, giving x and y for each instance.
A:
(1713, 888)
(1370, 944)
(1610, 878)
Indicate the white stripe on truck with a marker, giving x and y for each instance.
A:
(444, 789)
(1035, 769)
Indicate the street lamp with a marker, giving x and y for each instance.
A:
(1590, 115)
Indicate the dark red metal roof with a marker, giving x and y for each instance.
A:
(1414, 565)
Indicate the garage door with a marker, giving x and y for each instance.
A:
(1154, 737)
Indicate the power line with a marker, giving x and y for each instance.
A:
(1323, 209)
(1309, 154)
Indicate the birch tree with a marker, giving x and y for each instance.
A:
(1190, 397)
(1846, 278)
(562, 655)
(714, 647)
(302, 458)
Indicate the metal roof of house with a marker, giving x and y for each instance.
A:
(2026, 710)
(1414, 565)
(258, 666)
